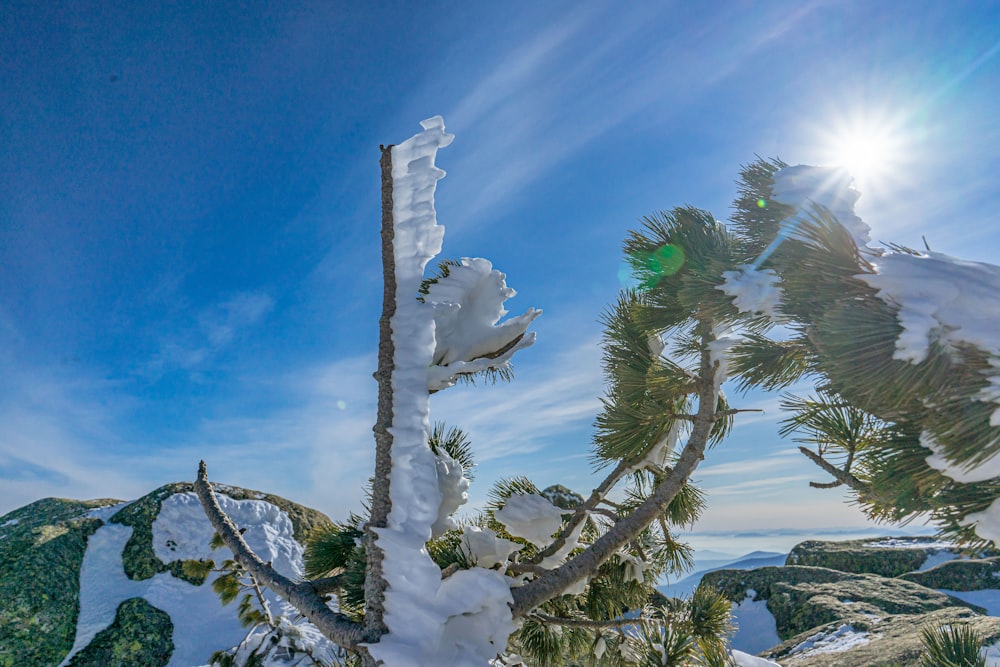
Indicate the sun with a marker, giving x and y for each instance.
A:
(871, 148)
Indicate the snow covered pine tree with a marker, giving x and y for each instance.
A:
(528, 582)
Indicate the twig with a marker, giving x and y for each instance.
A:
(335, 626)
(842, 476)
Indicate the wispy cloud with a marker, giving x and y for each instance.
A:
(215, 328)
(613, 69)
(784, 458)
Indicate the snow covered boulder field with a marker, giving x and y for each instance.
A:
(102, 582)
(860, 603)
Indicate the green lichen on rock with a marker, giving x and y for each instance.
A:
(140, 636)
(960, 575)
(859, 557)
(894, 640)
(139, 558)
(803, 598)
(41, 552)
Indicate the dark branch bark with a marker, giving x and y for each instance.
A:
(327, 585)
(334, 626)
(586, 564)
(381, 501)
(842, 476)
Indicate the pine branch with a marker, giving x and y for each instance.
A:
(584, 622)
(842, 476)
(381, 503)
(586, 564)
(335, 626)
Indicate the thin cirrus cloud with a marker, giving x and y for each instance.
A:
(215, 328)
(615, 69)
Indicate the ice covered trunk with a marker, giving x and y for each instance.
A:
(465, 619)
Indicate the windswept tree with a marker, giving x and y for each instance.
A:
(789, 290)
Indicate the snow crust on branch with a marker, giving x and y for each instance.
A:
(804, 186)
(530, 517)
(464, 620)
(468, 304)
(485, 548)
(454, 487)
(943, 300)
(755, 291)
(981, 472)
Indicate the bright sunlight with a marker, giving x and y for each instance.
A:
(872, 149)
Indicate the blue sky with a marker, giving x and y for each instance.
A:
(189, 214)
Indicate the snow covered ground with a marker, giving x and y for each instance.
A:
(181, 531)
(756, 629)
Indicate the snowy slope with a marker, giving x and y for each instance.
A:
(136, 553)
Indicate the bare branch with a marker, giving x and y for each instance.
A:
(381, 503)
(581, 510)
(327, 585)
(842, 476)
(585, 564)
(334, 626)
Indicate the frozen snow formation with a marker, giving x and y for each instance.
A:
(463, 620)
(753, 290)
(485, 548)
(468, 303)
(454, 487)
(530, 517)
(804, 186)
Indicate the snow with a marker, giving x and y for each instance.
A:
(454, 488)
(756, 629)
(992, 654)
(530, 517)
(182, 530)
(987, 522)
(485, 548)
(746, 660)
(463, 620)
(560, 554)
(106, 512)
(12, 522)
(908, 543)
(753, 290)
(981, 472)
(937, 558)
(842, 639)
(467, 304)
(989, 598)
(803, 186)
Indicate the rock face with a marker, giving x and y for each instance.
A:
(865, 606)
(102, 582)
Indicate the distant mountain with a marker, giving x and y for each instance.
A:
(750, 561)
(103, 582)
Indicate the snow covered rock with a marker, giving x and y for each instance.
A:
(96, 578)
